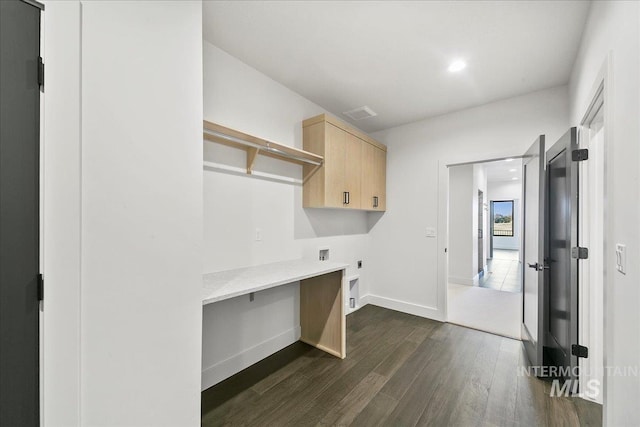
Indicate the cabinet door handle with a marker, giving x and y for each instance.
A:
(348, 197)
(344, 198)
(375, 201)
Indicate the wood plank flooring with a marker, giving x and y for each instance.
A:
(400, 370)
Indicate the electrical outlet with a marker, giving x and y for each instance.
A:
(258, 235)
(359, 264)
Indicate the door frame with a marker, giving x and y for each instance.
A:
(591, 306)
(600, 90)
(62, 192)
(443, 223)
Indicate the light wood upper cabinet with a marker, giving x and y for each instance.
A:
(353, 170)
(380, 177)
(374, 182)
(335, 141)
(353, 175)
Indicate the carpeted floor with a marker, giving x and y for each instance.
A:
(485, 309)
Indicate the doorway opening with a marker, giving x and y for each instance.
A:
(485, 267)
(504, 263)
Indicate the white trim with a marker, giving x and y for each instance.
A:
(601, 89)
(236, 363)
(463, 280)
(362, 301)
(407, 307)
(61, 374)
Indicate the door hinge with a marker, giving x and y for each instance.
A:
(579, 351)
(580, 155)
(41, 73)
(40, 287)
(579, 253)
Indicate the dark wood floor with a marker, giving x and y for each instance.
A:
(400, 370)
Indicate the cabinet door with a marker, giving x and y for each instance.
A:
(381, 178)
(353, 170)
(369, 176)
(334, 165)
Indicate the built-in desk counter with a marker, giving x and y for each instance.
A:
(223, 285)
(322, 313)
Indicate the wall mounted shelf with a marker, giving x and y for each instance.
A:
(254, 146)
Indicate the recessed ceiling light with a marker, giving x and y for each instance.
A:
(513, 170)
(457, 65)
(508, 160)
(514, 178)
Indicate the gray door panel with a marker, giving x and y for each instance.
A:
(562, 208)
(19, 212)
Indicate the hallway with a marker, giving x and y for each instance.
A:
(504, 272)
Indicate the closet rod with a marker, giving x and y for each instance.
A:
(214, 132)
(267, 147)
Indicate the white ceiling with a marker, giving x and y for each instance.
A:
(393, 56)
(503, 170)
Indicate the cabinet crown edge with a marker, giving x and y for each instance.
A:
(345, 127)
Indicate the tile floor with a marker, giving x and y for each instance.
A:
(504, 272)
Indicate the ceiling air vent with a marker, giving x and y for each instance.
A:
(360, 113)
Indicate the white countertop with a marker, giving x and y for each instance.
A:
(232, 283)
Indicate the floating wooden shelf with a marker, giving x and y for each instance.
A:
(253, 146)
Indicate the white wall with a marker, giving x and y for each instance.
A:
(461, 230)
(124, 105)
(237, 333)
(612, 35)
(405, 266)
(508, 190)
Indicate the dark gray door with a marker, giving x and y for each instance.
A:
(533, 316)
(562, 229)
(480, 232)
(19, 212)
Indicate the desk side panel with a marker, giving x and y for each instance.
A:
(322, 317)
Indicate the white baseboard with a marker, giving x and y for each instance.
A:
(212, 375)
(364, 300)
(476, 280)
(461, 281)
(407, 307)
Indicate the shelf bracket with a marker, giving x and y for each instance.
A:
(311, 172)
(252, 153)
